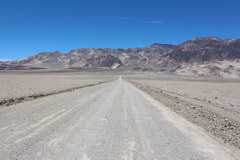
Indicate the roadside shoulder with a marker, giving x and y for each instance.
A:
(225, 129)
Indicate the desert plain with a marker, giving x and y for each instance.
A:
(123, 115)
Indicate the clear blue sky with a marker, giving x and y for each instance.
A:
(28, 27)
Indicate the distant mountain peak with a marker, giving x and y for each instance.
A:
(156, 45)
(209, 38)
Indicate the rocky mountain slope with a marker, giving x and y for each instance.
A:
(206, 49)
(103, 57)
(202, 56)
(208, 57)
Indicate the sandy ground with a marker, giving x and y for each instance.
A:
(14, 87)
(224, 95)
(110, 121)
(57, 120)
(210, 103)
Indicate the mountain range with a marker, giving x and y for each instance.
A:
(209, 56)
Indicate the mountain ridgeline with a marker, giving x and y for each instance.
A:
(201, 56)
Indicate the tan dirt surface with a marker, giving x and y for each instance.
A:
(16, 88)
(110, 121)
(211, 104)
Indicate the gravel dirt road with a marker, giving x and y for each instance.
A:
(114, 120)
